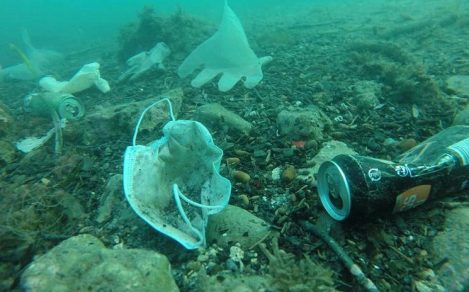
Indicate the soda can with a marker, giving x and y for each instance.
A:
(353, 186)
(65, 105)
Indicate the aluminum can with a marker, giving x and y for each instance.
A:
(353, 186)
(65, 105)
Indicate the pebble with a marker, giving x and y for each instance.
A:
(288, 152)
(312, 145)
(232, 161)
(427, 274)
(389, 142)
(407, 144)
(231, 265)
(241, 176)
(194, 266)
(259, 153)
(289, 173)
(245, 199)
(241, 152)
(202, 258)
(276, 173)
(373, 145)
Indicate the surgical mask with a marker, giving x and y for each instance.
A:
(174, 182)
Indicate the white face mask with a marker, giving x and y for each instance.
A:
(174, 182)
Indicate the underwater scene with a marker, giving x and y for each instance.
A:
(234, 145)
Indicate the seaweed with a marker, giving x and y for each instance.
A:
(134, 38)
(403, 79)
(179, 31)
(288, 274)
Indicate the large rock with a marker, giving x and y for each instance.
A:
(83, 263)
(105, 122)
(328, 151)
(462, 117)
(452, 247)
(236, 225)
(366, 93)
(302, 123)
(459, 84)
(7, 122)
(7, 129)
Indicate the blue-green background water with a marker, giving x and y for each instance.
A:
(70, 25)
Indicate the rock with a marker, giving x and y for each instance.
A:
(241, 176)
(289, 173)
(83, 263)
(366, 94)
(215, 115)
(328, 151)
(234, 225)
(462, 117)
(7, 130)
(452, 245)
(406, 144)
(7, 123)
(459, 84)
(7, 153)
(72, 207)
(106, 121)
(112, 193)
(234, 282)
(302, 123)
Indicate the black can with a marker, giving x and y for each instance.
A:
(353, 186)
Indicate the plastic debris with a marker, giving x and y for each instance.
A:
(174, 182)
(144, 61)
(88, 76)
(227, 52)
(29, 144)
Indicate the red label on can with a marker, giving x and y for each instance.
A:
(412, 198)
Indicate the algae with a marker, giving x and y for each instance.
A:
(179, 31)
(402, 77)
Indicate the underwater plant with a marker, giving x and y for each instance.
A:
(288, 274)
(179, 31)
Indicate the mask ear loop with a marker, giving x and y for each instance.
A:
(171, 115)
(178, 195)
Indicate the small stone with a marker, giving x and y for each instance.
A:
(202, 258)
(389, 142)
(427, 274)
(233, 161)
(311, 145)
(231, 265)
(462, 117)
(289, 173)
(259, 153)
(276, 173)
(407, 144)
(288, 152)
(45, 181)
(194, 266)
(245, 199)
(241, 176)
(215, 115)
(241, 153)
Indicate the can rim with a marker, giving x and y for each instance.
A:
(332, 169)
